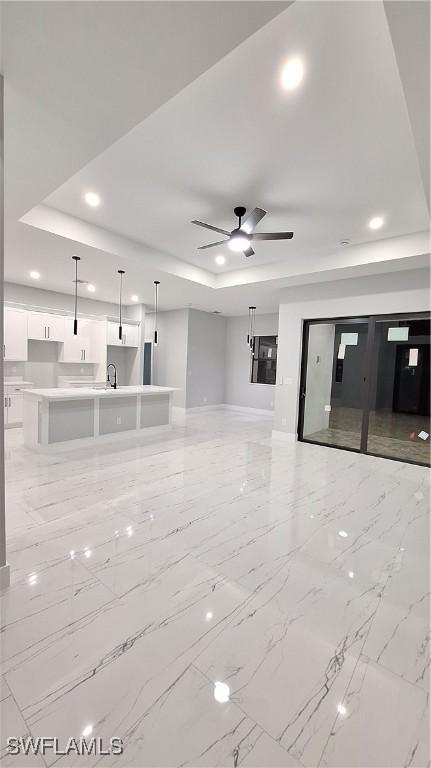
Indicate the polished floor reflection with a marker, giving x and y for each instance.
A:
(397, 435)
(214, 596)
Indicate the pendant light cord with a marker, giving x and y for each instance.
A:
(75, 319)
(120, 327)
(156, 309)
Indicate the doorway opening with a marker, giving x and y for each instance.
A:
(365, 385)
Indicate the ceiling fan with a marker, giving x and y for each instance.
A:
(241, 237)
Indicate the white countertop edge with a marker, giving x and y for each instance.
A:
(90, 393)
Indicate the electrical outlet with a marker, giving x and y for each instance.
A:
(205, 399)
(118, 419)
(284, 421)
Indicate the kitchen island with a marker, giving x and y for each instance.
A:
(55, 417)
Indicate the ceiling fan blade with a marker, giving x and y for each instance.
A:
(271, 236)
(249, 252)
(252, 220)
(211, 245)
(210, 226)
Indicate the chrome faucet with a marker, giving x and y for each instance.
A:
(108, 380)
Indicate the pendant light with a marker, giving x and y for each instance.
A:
(252, 326)
(75, 319)
(120, 327)
(249, 326)
(156, 308)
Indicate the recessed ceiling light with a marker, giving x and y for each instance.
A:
(92, 199)
(35, 275)
(220, 259)
(343, 534)
(376, 222)
(292, 74)
(134, 297)
(91, 287)
(87, 730)
(344, 242)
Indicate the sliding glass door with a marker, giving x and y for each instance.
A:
(399, 418)
(334, 383)
(365, 385)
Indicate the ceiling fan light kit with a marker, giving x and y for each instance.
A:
(241, 237)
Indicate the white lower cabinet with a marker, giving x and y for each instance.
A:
(14, 403)
(15, 409)
(15, 334)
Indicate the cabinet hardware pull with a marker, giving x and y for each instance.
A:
(5, 402)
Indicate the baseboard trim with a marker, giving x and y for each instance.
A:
(217, 407)
(248, 409)
(288, 437)
(176, 410)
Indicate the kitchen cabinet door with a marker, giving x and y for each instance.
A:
(76, 349)
(15, 334)
(15, 408)
(130, 335)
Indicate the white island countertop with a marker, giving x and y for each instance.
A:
(87, 393)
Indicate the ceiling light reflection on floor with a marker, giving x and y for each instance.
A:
(221, 692)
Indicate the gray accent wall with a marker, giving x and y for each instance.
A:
(70, 420)
(117, 414)
(238, 389)
(205, 359)
(154, 410)
(170, 354)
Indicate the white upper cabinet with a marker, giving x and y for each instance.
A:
(130, 336)
(76, 349)
(45, 326)
(15, 334)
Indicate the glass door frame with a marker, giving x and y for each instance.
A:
(371, 320)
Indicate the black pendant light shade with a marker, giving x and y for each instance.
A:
(75, 319)
(120, 327)
(252, 318)
(156, 309)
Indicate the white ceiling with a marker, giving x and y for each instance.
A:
(216, 132)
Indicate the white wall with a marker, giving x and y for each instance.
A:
(205, 359)
(319, 377)
(37, 297)
(406, 291)
(238, 390)
(170, 354)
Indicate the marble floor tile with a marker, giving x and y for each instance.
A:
(399, 638)
(148, 570)
(285, 675)
(12, 724)
(377, 725)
